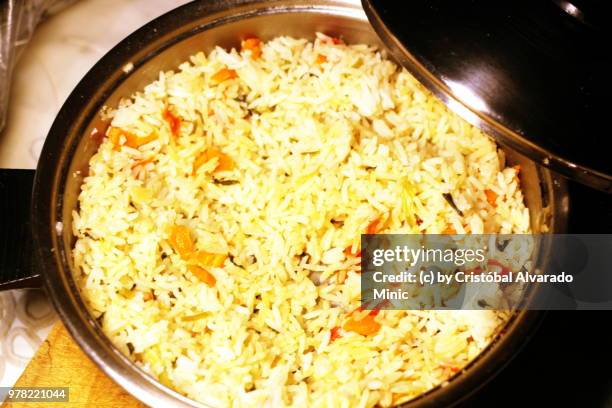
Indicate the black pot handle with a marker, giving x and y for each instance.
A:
(16, 250)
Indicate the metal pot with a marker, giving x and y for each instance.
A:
(162, 45)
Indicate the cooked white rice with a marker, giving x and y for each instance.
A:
(322, 147)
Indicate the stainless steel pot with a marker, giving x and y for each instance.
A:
(162, 45)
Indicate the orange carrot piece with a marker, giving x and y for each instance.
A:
(204, 258)
(377, 225)
(372, 227)
(449, 230)
(174, 122)
(367, 326)
(223, 75)
(202, 159)
(225, 163)
(252, 44)
(203, 275)
(131, 140)
(180, 240)
(335, 334)
(341, 276)
(348, 251)
(114, 134)
(336, 41)
(320, 59)
(491, 197)
(139, 141)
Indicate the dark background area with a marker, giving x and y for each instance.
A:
(568, 362)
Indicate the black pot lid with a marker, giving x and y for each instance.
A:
(532, 74)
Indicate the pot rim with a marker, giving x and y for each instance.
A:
(54, 166)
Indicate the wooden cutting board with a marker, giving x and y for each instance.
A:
(59, 362)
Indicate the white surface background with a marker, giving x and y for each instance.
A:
(63, 49)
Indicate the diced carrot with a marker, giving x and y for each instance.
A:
(204, 258)
(336, 41)
(377, 225)
(449, 230)
(147, 296)
(174, 122)
(139, 141)
(366, 326)
(357, 316)
(348, 251)
(320, 59)
(202, 159)
(252, 44)
(491, 197)
(335, 334)
(225, 163)
(114, 134)
(223, 75)
(372, 227)
(180, 240)
(121, 137)
(203, 275)
(341, 277)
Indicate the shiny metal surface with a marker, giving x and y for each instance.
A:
(161, 45)
(533, 74)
